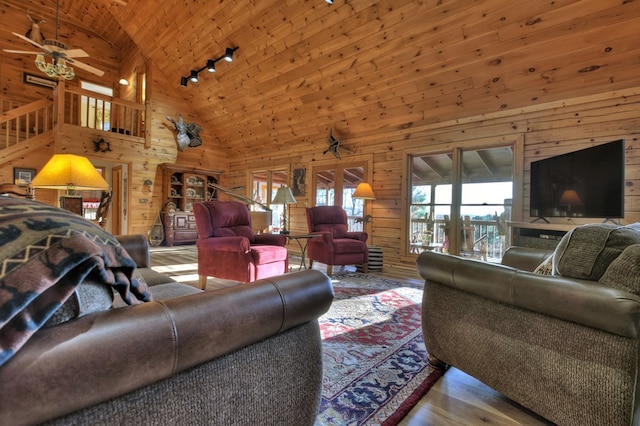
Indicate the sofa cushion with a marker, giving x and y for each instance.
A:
(624, 272)
(586, 251)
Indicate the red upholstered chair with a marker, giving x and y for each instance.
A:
(336, 245)
(228, 248)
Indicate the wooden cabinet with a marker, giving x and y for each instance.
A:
(182, 187)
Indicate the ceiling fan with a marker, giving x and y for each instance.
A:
(58, 51)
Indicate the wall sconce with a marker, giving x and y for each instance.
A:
(147, 182)
(210, 66)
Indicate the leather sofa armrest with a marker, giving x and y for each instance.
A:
(525, 258)
(138, 248)
(232, 244)
(583, 302)
(101, 356)
(271, 239)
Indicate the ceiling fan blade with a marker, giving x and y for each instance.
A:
(76, 53)
(25, 52)
(28, 40)
(85, 67)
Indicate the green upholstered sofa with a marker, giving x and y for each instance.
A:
(243, 355)
(565, 347)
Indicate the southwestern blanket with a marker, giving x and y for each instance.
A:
(45, 253)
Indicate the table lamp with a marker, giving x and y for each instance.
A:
(364, 192)
(71, 173)
(284, 196)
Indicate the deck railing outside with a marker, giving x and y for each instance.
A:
(484, 238)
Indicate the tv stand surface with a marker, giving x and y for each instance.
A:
(543, 226)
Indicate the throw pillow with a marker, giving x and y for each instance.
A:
(624, 272)
(586, 251)
(545, 268)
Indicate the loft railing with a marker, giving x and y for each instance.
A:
(76, 107)
(79, 107)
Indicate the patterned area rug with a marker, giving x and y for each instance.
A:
(375, 362)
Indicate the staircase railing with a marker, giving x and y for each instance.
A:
(26, 121)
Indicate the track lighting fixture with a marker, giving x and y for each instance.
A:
(329, 1)
(209, 66)
(228, 55)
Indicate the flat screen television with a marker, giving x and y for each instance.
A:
(586, 183)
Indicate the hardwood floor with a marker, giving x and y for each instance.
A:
(456, 399)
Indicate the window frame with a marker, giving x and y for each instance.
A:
(456, 148)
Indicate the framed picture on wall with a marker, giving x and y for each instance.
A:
(298, 187)
(23, 177)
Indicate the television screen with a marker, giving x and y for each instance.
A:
(585, 183)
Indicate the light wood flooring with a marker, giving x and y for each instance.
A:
(456, 399)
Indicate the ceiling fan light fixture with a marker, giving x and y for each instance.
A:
(194, 76)
(211, 65)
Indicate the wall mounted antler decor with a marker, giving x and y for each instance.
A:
(188, 134)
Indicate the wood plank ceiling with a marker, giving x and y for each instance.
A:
(363, 67)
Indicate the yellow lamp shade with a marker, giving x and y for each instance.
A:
(364, 192)
(68, 171)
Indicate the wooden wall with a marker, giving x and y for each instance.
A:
(546, 130)
(144, 202)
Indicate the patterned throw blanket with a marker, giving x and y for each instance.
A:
(45, 253)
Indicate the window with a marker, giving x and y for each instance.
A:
(264, 185)
(95, 113)
(334, 185)
(460, 201)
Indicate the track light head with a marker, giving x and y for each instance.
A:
(329, 1)
(228, 54)
(194, 76)
(184, 81)
(211, 65)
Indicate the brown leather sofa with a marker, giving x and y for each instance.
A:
(243, 355)
(568, 349)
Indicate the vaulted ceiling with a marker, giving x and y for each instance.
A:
(363, 67)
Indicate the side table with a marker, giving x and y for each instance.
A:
(303, 241)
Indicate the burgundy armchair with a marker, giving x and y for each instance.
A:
(336, 245)
(228, 248)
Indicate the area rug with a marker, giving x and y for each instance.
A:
(375, 361)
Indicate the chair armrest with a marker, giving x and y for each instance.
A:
(580, 301)
(101, 356)
(357, 235)
(232, 244)
(271, 239)
(138, 248)
(325, 238)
